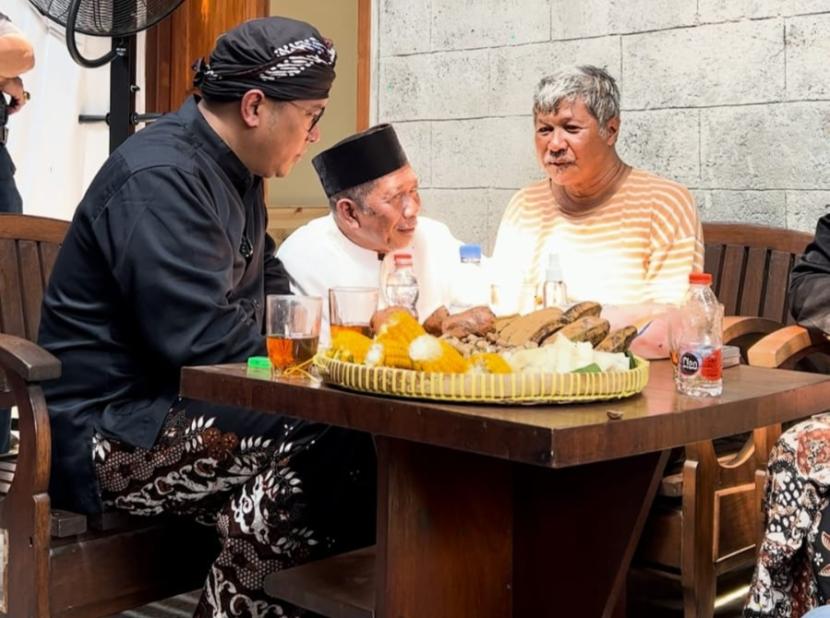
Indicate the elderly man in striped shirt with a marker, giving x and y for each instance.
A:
(625, 237)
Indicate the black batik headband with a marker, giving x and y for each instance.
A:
(286, 59)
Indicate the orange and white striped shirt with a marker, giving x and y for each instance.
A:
(639, 246)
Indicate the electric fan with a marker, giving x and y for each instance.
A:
(121, 20)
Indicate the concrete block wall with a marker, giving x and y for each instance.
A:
(729, 97)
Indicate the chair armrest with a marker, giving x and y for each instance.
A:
(735, 326)
(28, 360)
(787, 345)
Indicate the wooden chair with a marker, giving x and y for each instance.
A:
(56, 563)
(705, 520)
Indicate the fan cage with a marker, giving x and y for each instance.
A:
(109, 18)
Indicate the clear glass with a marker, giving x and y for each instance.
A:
(292, 328)
(352, 309)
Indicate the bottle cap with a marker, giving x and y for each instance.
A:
(470, 253)
(700, 279)
(259, 362)
(554, 270)
(403, 259)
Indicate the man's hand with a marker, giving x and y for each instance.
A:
(13, 87)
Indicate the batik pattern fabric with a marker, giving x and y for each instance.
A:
(792, 574)
(245, 487)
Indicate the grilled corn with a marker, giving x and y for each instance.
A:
(350, 347)
(490, 362)
(432, 354)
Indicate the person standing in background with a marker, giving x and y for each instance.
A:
(16, 57)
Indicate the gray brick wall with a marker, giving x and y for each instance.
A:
(730, 97)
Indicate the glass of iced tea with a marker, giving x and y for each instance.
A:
(292, 327)
(352, 309)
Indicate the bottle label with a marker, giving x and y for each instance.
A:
(706, 362)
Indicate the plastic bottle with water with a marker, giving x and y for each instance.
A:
(554, 291)
(401, 286)
(699, 340)
(470, 288)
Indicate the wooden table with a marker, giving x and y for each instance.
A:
(493, 511)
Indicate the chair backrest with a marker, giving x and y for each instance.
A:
(751, 266)
(28, 249)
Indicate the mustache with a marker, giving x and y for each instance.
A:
(557, 156)
(555, 161)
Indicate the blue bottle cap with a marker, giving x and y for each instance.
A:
(470, 253)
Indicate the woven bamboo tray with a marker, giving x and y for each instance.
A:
(510, 388)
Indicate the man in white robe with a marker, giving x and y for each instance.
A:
(373, 195)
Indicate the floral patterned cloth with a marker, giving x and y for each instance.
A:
(249, 488)
(792, 575)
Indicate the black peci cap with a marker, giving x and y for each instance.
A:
(360, 158)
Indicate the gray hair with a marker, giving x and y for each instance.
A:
(594, 86)
(356, 194)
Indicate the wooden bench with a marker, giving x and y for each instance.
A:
(56, 563)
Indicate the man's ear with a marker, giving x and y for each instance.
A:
(250, 108)
(612, 130)
(346, 210)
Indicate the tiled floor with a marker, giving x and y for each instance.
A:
(178, 607)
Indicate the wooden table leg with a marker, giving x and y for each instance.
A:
(467, 535)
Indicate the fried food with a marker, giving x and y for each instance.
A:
(433, 323)
(582, 310)
(525, 328)
(592, 329)
(473, 321)
(617, 341)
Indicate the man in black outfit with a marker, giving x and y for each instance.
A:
(167, 263)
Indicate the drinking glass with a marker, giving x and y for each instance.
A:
(352, 309)
(292, 327)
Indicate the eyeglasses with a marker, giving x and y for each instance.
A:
(315, 118)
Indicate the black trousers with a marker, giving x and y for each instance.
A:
(10, 202)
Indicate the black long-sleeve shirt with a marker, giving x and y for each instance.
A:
(810, 281)
(166, 264)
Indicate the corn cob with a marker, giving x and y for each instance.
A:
(400, 327)
(432, 354)
(391, 345)
(350, 347)
(490, 362)
(388, 354)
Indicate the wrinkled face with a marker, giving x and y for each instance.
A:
(286, 130)
(569, 144)
(387, 218)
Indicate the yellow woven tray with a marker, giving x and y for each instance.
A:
(508, 388)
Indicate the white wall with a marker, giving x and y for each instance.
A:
(57, 157)
(730, 97)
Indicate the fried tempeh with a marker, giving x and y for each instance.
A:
(591, 328)
(617, 341)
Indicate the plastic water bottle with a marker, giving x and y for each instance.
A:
(555, 293)
(699, 340)
(471, 288)
(401, 285)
